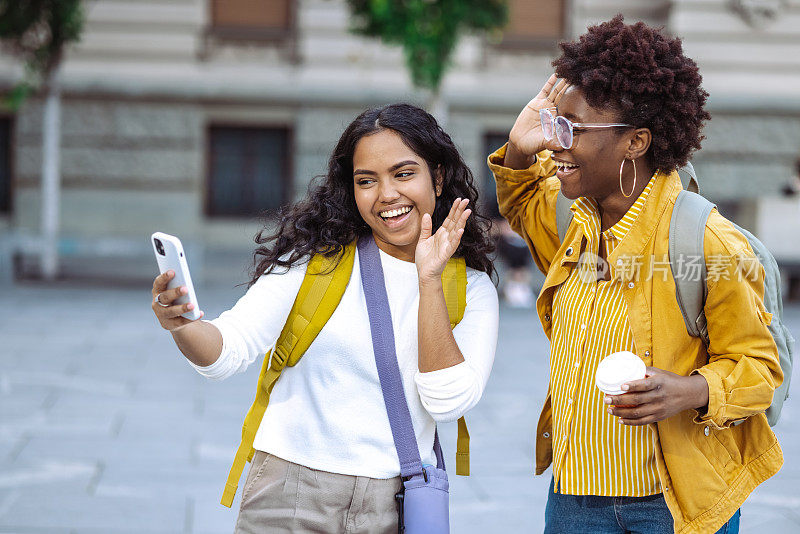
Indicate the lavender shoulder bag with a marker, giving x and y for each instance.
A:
(424, 498)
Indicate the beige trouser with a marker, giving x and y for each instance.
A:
(281, 496)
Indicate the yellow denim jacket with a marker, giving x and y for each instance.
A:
(707, 466)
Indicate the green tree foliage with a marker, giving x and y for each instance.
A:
(428, 30)
(37, 31)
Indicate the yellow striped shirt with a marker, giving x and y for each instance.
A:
(592, 453)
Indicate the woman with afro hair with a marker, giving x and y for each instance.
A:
(682, 448)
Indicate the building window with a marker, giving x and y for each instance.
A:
(5, 165)
(251, 19)
(249, 171)
(491, 142)
(534, 23)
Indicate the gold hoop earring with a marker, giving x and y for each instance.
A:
(621, 190)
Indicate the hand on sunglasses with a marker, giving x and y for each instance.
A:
(526, 137)
(563, 129)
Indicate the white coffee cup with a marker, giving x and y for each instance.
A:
(617, 369)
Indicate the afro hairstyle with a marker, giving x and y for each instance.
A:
(642, 74)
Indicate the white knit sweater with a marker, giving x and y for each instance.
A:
(327, 412)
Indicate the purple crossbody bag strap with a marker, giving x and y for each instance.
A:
(394, 397)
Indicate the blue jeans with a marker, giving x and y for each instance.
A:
(589, 514)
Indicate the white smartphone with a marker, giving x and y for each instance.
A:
(170, 255)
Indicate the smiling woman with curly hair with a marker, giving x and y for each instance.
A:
(667, 434)
(397, 199)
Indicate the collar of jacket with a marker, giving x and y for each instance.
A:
(665, 190)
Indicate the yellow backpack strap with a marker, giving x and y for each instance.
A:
(318, 297)
(454, 283)
(462, 449)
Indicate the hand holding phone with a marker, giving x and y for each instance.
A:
(174, 301)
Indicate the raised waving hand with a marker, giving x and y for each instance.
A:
(434, 250)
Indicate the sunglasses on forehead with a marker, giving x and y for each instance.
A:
(564, 129)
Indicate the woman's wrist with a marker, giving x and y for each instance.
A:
(430, 282)
(201, 342)
(187, 328)
(699, 388)
(516, 159)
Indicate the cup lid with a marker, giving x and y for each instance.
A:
(616, 369)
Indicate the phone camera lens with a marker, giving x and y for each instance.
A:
(160, 247)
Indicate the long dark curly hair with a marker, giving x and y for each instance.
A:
(327, 219)
(644, 75)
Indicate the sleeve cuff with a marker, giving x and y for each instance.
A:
(715, 412)
(442, 378)
(218, 369)
(449, 393)
(542, 167)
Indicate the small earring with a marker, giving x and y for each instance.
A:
(621, 190)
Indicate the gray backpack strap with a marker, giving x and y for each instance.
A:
(686, 234)
(773, 303)
(563, 215)
(689, 178)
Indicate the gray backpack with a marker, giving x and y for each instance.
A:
(686, 234)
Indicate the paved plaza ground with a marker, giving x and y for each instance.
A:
(105, 429)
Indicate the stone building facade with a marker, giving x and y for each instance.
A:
(176, 113)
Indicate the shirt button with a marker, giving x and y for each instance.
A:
(568, 252)
(566, 437)
(547, 317)
(569, 401)
(546, 435)
(630, 285)
(583, 327)
(706, 431)
(619, 262)
(577, 364)
(647, 354)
